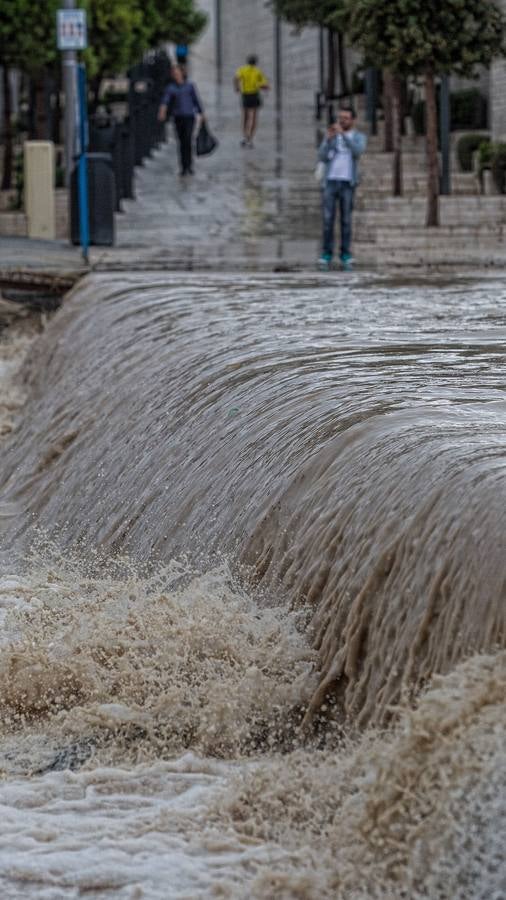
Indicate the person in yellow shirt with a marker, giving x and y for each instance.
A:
(249, 80)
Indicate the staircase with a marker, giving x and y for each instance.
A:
(391, 230)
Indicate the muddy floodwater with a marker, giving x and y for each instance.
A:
(253, 591)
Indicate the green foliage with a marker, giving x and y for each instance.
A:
(485, 152)
(117, 35)
(412, 38)
(120, 31)
(490, 156)
(498, 166)
(28, 34)
(467, 146)
(175, 20)
(311, 12)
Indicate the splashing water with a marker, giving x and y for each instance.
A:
(104, 681)
(310, 487)
(18, 331)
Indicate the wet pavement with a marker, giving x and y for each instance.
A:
(54, 264)
(259, 209)
(243, 208)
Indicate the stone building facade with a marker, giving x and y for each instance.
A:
(291, 61)
(249, 26)
(498, 96)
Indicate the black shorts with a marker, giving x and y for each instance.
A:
(251, 101)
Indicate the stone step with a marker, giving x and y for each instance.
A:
(466, 210)
(415, 176)
(463, 237)
(492, 205)
(446, 255)
(13, 224)
(452, 215)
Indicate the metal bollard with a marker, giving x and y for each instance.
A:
(102, 200)
(127, 153)
(104, 139)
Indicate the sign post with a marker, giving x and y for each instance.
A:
(72, 36)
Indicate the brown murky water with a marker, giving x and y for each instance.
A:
(266, 511)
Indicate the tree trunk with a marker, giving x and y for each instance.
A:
(8, 142)
(388, 144)
(397, 135)
(343, 71)
(432, 155)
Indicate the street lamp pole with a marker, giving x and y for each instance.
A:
(278, 64)
(69, 62)
(218, 41)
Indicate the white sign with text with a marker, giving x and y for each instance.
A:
(71, 29)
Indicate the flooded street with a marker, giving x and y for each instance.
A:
(253, 573)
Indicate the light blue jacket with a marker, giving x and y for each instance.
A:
(357, 143)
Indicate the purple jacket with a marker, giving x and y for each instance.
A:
(182, 100)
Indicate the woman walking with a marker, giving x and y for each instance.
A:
(249, 80)
(182, 102)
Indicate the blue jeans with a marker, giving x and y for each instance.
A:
(336, 192)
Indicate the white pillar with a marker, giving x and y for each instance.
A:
(39, 189)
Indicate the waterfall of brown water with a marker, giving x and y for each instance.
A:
(351, 450)
(339, 446)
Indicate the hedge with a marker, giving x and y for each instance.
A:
(467, 145)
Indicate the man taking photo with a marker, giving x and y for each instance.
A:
(339, 154)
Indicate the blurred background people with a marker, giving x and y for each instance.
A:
(182, 103)
(249, 81)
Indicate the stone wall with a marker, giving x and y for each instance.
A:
(248, 26)
(251, 28)
(498, 95)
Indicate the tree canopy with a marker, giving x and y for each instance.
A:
(117, 34)
(409, 37)
(428, 39)
(120, 31)
(28, 34)
(176, 20)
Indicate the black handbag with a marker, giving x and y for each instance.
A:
(206, 142)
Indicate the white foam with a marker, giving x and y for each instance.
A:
(136, 832)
